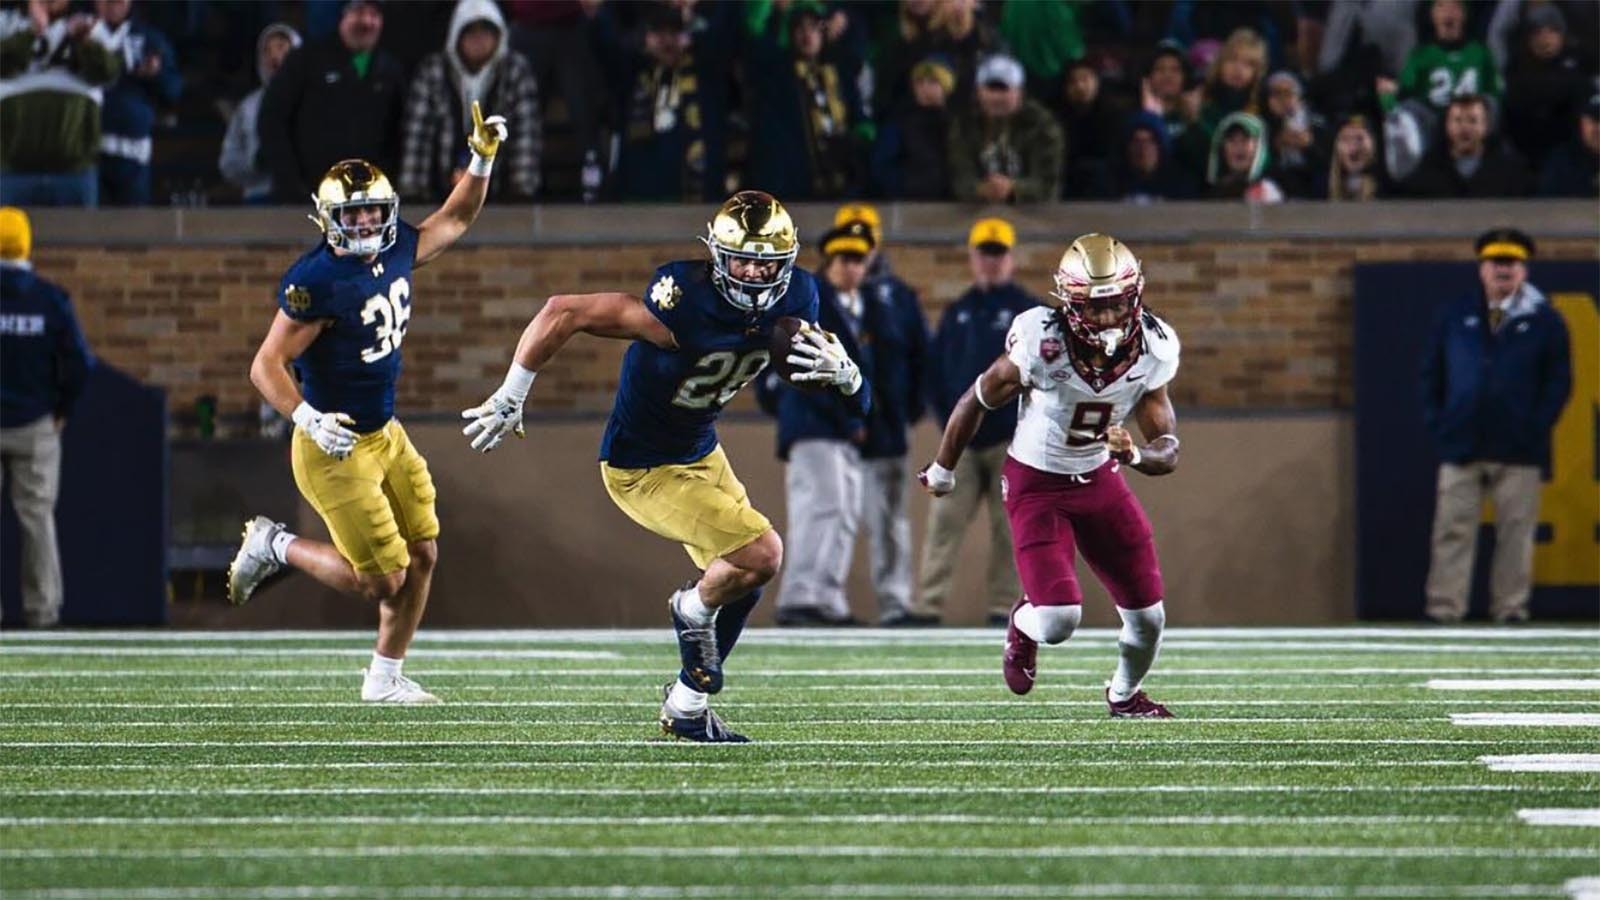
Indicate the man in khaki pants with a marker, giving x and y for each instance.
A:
(43, 365)
(1495, 378)
(971, 335)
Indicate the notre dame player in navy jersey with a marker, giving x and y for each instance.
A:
(700, 334)
(343, 308)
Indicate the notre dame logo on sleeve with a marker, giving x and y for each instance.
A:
(665, 293)
(297, 298)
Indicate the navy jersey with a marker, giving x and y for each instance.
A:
(353, 365)
(668, 400)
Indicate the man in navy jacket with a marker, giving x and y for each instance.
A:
(1494, 380)
(819, 437)
(899, 340)
(44, 364)
(971, 334)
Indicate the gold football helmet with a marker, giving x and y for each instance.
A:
(349, 185)
(752, 226)
(1099, 290)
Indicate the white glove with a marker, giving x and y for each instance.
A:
(820, 353)
(937, 479)
(501, 414)
(327, 429)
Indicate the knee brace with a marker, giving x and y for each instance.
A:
(1143, 627)
(1059, 622)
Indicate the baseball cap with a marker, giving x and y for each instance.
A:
(851, 237)
(1002, 69)
(1504, 243)
(861, 212)
(16, 235)
(995, 235)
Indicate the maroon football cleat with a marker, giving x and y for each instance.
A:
(1139, 706)
(1020, 662)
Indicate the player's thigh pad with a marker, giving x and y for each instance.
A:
(1116, 540)
(701, 505)
(349, 496)
(1041, 544)
(409, 487)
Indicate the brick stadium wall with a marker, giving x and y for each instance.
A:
(1265, 324)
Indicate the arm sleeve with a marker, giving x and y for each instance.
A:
(1335, 35)
(94, 62)
(1556, 373)
(74, 359)
(306, 300)
(1021, 351)
(665, 298)
(15, 51)
(274, 123)
(167, 85)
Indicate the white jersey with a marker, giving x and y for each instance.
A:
(1061, 427)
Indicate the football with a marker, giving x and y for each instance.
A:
(785, 332)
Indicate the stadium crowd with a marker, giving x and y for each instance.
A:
(122, 103)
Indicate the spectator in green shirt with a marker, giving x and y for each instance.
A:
(1447, 66)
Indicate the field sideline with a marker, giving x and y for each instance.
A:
(1307, 762)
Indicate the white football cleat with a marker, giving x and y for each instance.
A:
(254, 563)
(395, 689)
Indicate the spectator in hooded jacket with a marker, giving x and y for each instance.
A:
(44, 365)
(1546, 84)
(910, 158)
(149, 81)
(820, 438)
(1238, 165)
(242, 143)
(898, 335)
(1144, 170)
(1495, 377)
(476, 64)
(804, 140)
(971, 335)
(1297, 136)
(1008, 148)
(55, 64)
(339, 98)
(1469, 163)
(1573, 170)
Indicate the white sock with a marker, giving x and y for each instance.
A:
(692, 609)
(1026, 618)
(384, 667)
(280, 547)
(685, 699)
(1137, 646)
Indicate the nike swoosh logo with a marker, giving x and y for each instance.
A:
(1136, 377)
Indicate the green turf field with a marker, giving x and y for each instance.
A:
(1306, 763)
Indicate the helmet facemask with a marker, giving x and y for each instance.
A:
(1100, 289)
(362, 240)
(751, 295)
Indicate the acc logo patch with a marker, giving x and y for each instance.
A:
(1050, 349)
(297, 298)
(665, 293)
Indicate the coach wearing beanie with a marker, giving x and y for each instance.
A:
(1494, 380)
(44, 364)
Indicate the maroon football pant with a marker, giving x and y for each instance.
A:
(1095, 513)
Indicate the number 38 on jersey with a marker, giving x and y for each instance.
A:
(390, 314)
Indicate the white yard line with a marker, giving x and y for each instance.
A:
(651, 745)
(1583, 818)
(1541, 720)
(545, 891)
(804, 636)
(813, 851)
(753, 674)
(734, 790)
(1583, 888)
(1543, 762)
(808, 764)
(1513, 684)
(1170, 645)
(735, 820)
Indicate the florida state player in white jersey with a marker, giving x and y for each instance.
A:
(1081, 365)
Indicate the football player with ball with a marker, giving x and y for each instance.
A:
(1080, 365)
(703, 330)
